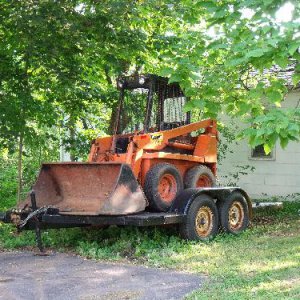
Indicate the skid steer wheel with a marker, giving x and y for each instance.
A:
(202, 220)
(199, 176)
(162, 184)
(234, 213)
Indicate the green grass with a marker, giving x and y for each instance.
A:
(261, 263)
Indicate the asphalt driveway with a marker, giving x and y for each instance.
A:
(61, 276)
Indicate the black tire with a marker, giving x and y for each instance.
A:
(234, 213)
(193, 175)
(158, 200)
(203, 229)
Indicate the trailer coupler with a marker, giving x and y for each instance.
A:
(33, 218)
(20, 218)
(29, 218)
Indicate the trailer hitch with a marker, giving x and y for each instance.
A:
(35, 217)
(38, 235)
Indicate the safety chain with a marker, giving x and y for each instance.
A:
(41, 210)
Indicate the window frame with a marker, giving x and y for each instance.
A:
(272, 157)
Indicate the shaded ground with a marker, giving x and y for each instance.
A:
(61, 276)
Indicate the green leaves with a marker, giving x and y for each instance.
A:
(166, 71)
(240, 66)
(282, 61)
(236, 61)
(274, 125)
(195, 104)
(296, 79)
(274, 96)
(255, 53)
(293, 47)
(55, 59)
(267, 148)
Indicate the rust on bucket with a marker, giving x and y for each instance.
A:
(89, 189)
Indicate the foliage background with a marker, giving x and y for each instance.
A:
(59, 62)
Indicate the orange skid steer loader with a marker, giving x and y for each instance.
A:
(157, 168)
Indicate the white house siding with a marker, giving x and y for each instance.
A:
(277, 177)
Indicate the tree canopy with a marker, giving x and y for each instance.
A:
(221, 58)
(59, 60)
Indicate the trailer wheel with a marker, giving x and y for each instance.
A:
(234, 213)
(162, 184)
(202, 220)
(199, 176)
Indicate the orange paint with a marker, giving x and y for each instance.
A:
(174, 146)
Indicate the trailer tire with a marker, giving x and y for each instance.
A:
(199, 176)
(234, 213)
(202, 220)
(163, 184)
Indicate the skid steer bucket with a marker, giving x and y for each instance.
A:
(88, 189)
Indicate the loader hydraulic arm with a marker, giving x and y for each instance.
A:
(150, 141)
(209, 124)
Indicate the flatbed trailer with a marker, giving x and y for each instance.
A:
(200, 213)
(154, 170)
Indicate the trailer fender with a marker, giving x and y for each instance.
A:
(183, 201)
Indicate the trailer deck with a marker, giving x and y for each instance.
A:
(141, 219)
(196, 211)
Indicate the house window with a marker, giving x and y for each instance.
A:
(259, 153)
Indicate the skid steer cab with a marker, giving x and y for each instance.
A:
(156, 168)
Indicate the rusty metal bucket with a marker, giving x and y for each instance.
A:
(89, 189)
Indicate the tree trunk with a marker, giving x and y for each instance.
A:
(72, 131)
(72, 139)
(20, 167)
(112, 120)
(114, 108)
